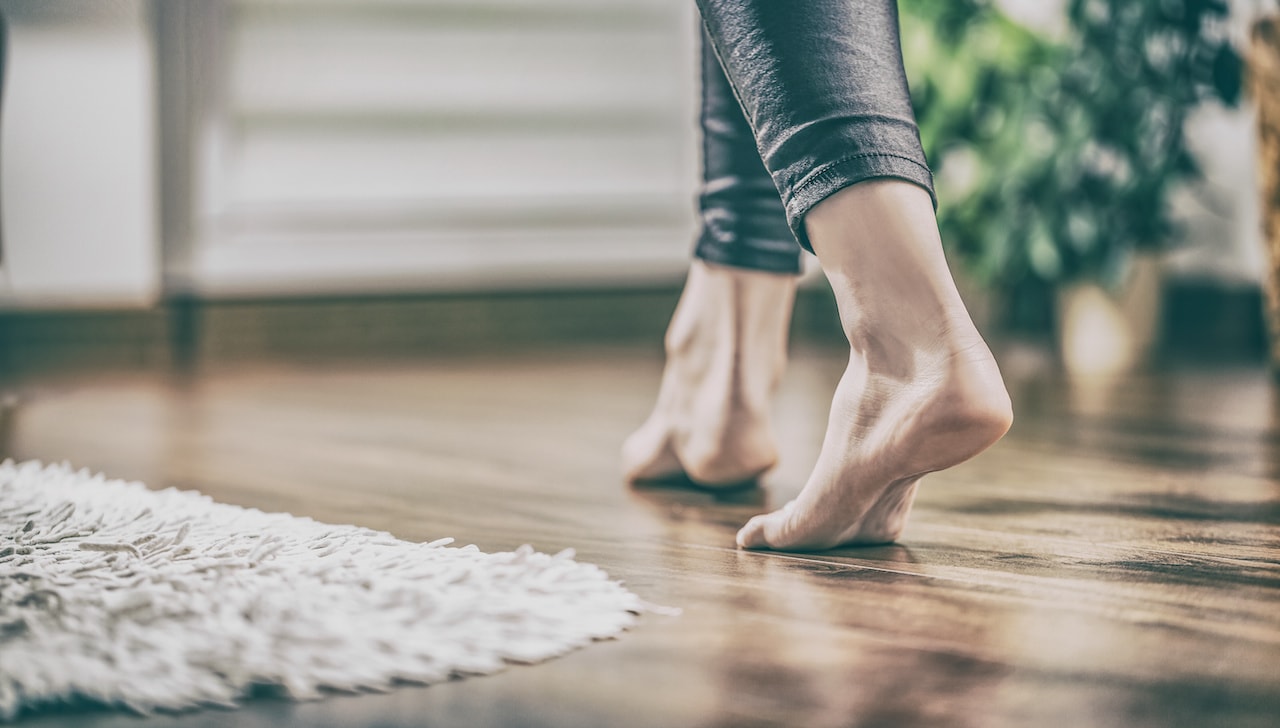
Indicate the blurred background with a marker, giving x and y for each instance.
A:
(194, 182)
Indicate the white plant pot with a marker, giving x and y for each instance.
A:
(1101, 332)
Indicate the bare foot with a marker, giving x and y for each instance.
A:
(921, 392)
(726, 349)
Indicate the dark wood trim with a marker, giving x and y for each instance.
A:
(185, 331)
(1203, 323)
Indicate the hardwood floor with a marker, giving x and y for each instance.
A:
(1113, 562)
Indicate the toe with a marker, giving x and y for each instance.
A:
(767, 531)
(648, 455)
(751, 536)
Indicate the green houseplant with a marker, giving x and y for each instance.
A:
(1057, 156)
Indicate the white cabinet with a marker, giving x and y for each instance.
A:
(376, 145)
(78, 156)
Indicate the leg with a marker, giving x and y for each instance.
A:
(726, 346)
(743, 223)
(823, 87)
(921, 392)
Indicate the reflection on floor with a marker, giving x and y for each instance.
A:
(1113, 562)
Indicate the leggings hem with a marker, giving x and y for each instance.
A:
(847, 172)
(739, 255)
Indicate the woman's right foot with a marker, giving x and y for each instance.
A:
(921, 393)
(726, 350)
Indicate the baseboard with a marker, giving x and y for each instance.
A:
(1203, 323)
(184, 332)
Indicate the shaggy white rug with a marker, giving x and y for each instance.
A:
(166, 600)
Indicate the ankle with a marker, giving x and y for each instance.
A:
(732, 308)
(879, 246)
(881, 234)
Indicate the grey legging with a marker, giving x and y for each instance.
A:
(800, 98)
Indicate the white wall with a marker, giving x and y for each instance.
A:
(1221, 213)
(77, 155)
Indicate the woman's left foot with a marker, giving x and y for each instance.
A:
(726, 348)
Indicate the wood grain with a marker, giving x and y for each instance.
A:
(1113, 562)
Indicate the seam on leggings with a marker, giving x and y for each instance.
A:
(830, 168)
